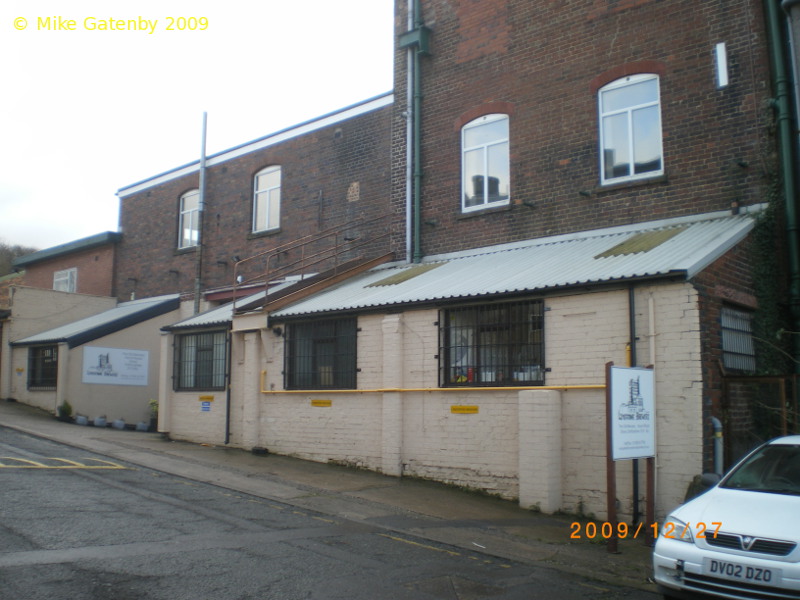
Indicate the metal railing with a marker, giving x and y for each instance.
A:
(321, 251)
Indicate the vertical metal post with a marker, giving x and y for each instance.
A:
(611, 471)
(198, 277)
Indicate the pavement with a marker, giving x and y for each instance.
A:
(426, 510)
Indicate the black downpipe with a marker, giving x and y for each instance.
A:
(228, 388)
(632, 334)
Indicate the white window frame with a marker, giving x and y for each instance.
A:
(270, 217)
(631, 138)
(486, 201)
(192, 216)
(66, 280)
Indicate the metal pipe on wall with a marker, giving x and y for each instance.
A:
(198, 277)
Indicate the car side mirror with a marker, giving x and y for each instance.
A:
(709, 480)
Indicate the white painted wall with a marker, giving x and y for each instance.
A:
(545, 448)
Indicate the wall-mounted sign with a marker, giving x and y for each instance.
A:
(115, 366)
(205, 406)
(321, 403)
(632, 413)
(206, 398)
(459, 409)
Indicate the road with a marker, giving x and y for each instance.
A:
(80, 526)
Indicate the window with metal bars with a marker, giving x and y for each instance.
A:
(492, 345)
(738, 350)
(43, 368)
(200, 361)
(321, 355)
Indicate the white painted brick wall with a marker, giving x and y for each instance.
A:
(417, 432)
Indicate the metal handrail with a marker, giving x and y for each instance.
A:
(341, 243)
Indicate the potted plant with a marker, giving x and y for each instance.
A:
(65, 412)
(153, 404)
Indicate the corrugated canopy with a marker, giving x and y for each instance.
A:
(678, 247)
(126, 314)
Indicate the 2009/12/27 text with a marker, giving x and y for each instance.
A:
(607, 530)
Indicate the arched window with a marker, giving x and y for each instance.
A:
(630, 129)
(189, 221)
(267, 199)
(485, 163)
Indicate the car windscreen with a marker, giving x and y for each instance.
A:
(773, 468)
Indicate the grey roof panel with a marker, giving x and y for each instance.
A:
(543, 264)
(122, 316)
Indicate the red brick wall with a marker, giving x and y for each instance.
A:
(726, 282)
(329, 178)
(545, 61)
(95, 271)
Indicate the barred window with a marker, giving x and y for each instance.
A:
(492, 345)
(738, 350)
(200, 361)
(321, 355)
(42, 368)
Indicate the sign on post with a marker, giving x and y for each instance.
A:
(632, 413)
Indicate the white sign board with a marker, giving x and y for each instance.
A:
(632, 413)
(115, 366)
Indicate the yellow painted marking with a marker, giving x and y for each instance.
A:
(409, 542)
(450, 552)
(458, 409)
(13, 462)
(322, 403)
(332, 522)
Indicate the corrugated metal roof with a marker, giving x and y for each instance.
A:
(584, 258)
(124, 315)
(223, 315)
(220, 315)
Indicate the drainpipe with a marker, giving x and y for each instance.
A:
(781, 101)
(416, 39)
(409, 135)
(633, 360)
(717, 445)
(417, 118)
(228, 371)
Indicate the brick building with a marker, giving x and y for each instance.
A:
(85, 266)
(327, 174)
(561, 187)
(568, 188)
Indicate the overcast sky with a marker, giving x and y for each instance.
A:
(88, 111)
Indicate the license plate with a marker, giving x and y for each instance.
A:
(739, 572)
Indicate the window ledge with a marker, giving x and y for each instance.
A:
(189, 250)
(613, 187)
(485, 211)
(253, 235)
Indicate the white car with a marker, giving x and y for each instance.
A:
(741, 538)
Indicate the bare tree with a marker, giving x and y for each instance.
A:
(8, 253)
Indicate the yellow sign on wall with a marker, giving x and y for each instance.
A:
(458, 409)
(206, 398)
(321, 403)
